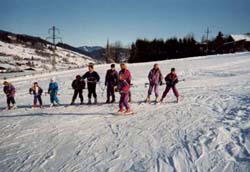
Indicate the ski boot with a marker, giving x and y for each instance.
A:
(161, 100)
(95, 101)
(121, 111)
(177, 99)
(157, 100)
(89, 102)
(147, 100)
(8, 107)
(108, 101)
(129, 112)
(13, 107)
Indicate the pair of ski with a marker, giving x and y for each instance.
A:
(9, 108)
(124, 113)
(150, 102)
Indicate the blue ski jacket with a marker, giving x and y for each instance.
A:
(53, 88)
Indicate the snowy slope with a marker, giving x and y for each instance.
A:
(209, 130)
(19, 55)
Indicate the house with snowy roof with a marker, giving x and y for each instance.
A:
(240, 38)
(238, 43)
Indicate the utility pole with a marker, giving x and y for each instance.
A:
(207, 33)
(52, 32)
(107, 51)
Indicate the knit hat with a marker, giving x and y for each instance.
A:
(53, 78)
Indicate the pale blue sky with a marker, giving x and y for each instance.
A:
(91, 22)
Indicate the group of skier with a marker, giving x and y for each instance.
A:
(155, 79)
(114, 81)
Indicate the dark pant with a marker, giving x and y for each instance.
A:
(124, 101)
(155, 87)
(76, 92)
(129, 96)
(54, 98)
(10, 100)
(92, 90)
(39, 98)
(167, 90)
(110, 91)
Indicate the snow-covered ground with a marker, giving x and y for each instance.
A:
(16, 57)
(209, 130)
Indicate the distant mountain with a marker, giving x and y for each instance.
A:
(90, 49)
(96, 52)
(69, 47)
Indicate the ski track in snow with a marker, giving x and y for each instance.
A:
(208, 130)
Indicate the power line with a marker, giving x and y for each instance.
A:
(207, 33)
(52, 32)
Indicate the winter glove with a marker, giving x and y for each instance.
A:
(161, 83)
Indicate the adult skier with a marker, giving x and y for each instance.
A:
(10, 91)
(171, 80)
(53, 91)
(92, 78)
(78, 85)
(111, 80)
(155, 78)
(37, 91)
(127, 76)
(123, 87)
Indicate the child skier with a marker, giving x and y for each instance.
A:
(37, 91)
(92, 78)
(78, 85)
(10, 91)
(127, 76)
(123, 87)
(155, 78)
(111, 80)
(171, 80)
(53, 90)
